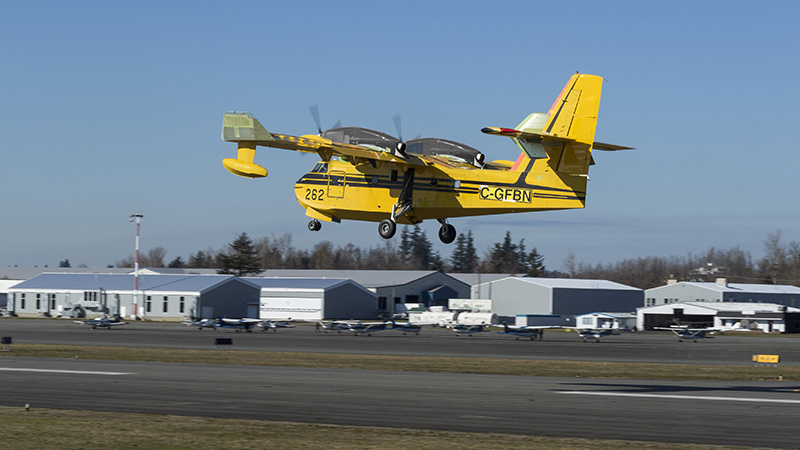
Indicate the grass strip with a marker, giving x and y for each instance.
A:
(67, 430)
(489, 366)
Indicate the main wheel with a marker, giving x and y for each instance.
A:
(447, 233)
(314, 225)
(387, 228)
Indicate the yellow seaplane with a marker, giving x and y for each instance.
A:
(369, 175)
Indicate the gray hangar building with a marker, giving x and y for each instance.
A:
(161, 297)
(722, 291)
(566, 297)
(312, 299)
(393, 287)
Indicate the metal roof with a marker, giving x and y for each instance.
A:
(754, 288)
(573, 283)
(474, 279)
(123, 282)
(616, 315)
(298, 283)
(727, 306)
(366, 278)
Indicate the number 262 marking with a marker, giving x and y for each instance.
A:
(314, 194)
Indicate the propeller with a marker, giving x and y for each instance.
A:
(400, 149)
(315, 113)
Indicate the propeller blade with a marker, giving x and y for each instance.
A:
(399, 126)
(315, 113)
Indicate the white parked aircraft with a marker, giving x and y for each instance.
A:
(103, 322)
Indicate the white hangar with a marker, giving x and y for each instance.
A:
(722, 291)
(160, 297)
(312, 299)
(566, 297)
(766, 317)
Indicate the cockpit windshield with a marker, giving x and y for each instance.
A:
(321, 167)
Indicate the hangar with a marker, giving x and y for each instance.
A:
(392, 287)
(566, 297)
(312, 299)
(722, 291)
(766, 317)
(161, 297)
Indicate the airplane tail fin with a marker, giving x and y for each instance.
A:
(564, 136)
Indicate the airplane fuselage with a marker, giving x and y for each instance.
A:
(338, 190)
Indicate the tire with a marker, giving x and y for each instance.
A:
(387, 228)
(447, 233)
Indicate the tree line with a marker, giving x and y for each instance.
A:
(414, 252)
(244, 256)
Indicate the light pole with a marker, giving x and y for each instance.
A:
(138, 219)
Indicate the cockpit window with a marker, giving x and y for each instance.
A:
(321, 167)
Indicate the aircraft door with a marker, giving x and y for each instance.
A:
(336, 182)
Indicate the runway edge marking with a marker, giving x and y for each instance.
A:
(78, 372)
(682, 397)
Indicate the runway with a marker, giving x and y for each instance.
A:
(748, 414)
(730, 413)
(650, 347)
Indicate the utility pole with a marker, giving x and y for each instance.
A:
(138, 219)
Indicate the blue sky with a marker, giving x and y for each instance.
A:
(109, 108)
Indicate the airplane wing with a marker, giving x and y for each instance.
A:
(248, 132)
(544, 136)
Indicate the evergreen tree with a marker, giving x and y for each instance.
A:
(241, 259)
(535, 263)
(504, 257)
(421, 254)
(464, 258)
(177, 263)
(64, 263)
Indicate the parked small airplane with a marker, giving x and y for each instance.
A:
(406, 327)
(596, 333)
(268, 324)
(201, 323)
(532, 332)
(103, 322)
(693, 334)
(367, 327)
(245, 324)
(469, 330)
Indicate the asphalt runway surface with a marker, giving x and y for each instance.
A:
(731, 413)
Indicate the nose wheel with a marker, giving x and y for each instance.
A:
(314, 225)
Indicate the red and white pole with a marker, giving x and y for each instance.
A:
(138, 219)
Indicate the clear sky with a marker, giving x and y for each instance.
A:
(112, 108)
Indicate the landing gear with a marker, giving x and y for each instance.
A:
(447, 232)
(387, 228)
(314, 225)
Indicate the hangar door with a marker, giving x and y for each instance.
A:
(299, 308)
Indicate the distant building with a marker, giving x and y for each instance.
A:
(160, 297)
(393, 287)
(312, 299)
(566, 297)
(722, 291)
(620, 321)
(766, 317)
